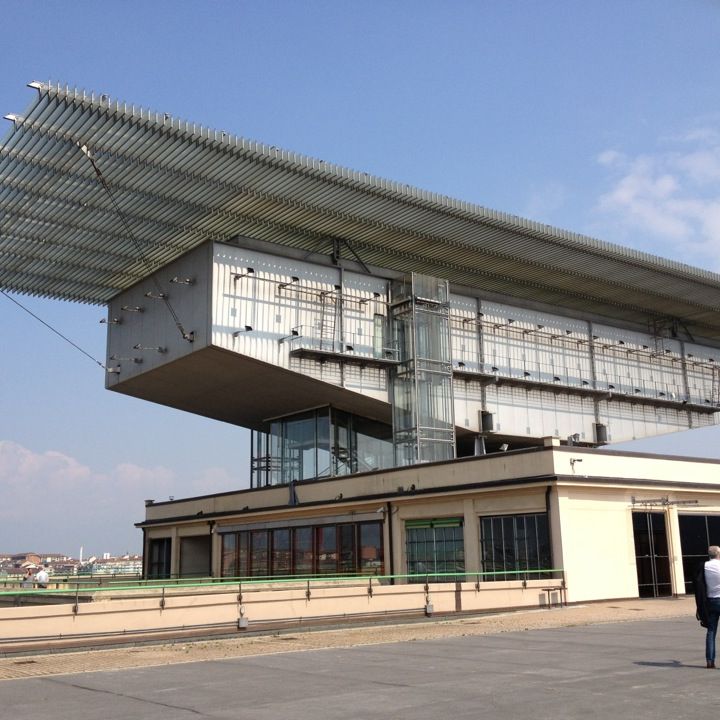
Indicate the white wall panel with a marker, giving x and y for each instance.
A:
(153, 328)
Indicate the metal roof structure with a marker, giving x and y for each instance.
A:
(178, 185)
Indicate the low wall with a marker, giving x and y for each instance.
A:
(146, 610)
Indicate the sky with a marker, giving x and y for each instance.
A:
(598, 118)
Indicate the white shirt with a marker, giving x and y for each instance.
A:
(42, 577)
(712, 578)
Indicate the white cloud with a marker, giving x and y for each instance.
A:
(668, 202)
(51, 502)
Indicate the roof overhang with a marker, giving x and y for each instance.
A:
(174, 185)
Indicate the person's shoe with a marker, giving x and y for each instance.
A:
(711, 664)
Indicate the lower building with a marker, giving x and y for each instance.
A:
(610, 524)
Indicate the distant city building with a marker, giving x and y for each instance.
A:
(428, 383)
(109, 565)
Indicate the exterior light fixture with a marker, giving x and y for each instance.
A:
(556, 378)
(182, 281)
(116, 371)
(159, 349)
(504, 447)
(113, 321)
(248, 271)
(132, 308)
(247, 328)
(293, 334)
(159, 296)
(283, 285)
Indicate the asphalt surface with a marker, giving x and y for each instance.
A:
(644, 669)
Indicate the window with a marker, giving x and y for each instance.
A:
(229, 556)
(697, 533)
(317, 444)
(159, 558)
(326, 550)
(515, 547)
(342, 549)
(435, 547)
(303, 554)
(370, 558)
(195, 556)
(259, 554)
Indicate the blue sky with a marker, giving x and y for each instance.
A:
(599, 119)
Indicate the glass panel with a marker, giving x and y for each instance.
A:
(697, 533)
(342, 451)
(299, 461)
(303, 550)
(281, 557)
(229, 560)
(371, 549)
(327, 556)
(514, 543)
(348, 560)
(379, 336)
(432, 550)
(243, 556)
(324, 468)
(259, 553)
(651, 554)
(373, 445)
(159, 565)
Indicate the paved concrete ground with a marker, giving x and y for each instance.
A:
(645, 669)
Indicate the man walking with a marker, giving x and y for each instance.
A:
(712, 590)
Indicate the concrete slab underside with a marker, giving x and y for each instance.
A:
(241, 390)
(651, 669)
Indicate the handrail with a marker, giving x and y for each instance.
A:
(73, 586)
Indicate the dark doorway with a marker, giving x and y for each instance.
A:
(651, 554)
(697, 533)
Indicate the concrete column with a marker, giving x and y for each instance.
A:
(472, 537)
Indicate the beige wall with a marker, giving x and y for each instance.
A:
(141, 611)
(590, 503)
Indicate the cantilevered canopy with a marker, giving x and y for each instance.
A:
(179, 185)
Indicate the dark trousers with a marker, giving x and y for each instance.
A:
(713, 617)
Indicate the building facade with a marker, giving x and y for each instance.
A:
(427, 382)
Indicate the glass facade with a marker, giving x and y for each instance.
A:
(514, 543)
(434, 546)
(697, 533)
(652, 558)
(320, 443)
(158, 566)
(422, 395)
(334, 549)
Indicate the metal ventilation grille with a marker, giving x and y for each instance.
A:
(180, 185)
